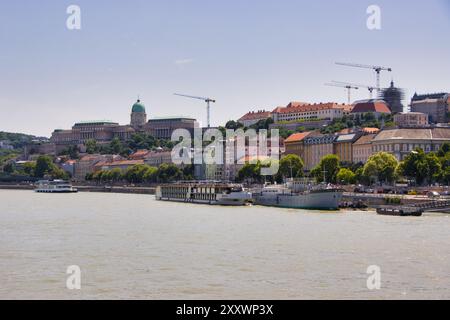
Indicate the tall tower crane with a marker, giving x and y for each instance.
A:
(208, 102)
(346, 86)
(369, 88)
(377, 70)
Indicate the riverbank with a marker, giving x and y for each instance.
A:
(84, 188)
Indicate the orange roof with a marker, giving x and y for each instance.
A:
(297, 137)
(140, 154)
(255, 115)
(371, 106)
(296, 104)
(370, 130)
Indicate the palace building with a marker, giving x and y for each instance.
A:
(104, 131)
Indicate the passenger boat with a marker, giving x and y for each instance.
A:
(54, 186)
(299, 195)
(205, 193)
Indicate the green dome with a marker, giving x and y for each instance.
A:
(138, 107)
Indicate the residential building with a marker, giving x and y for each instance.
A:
(308, 112)
(343, 146)
(435, 105)
(254, 117)
(87, 163)
(362, 148)
(401, 142)
(316, 147)
(139, 154)
(295, 144)
(411, 119)
(373, 106)
(116, 164)
(158, 157)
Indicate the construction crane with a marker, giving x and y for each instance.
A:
(370, 88)
(377, 70)
(346, 86)
(207, 100)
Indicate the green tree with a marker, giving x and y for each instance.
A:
(115, 175)
(346, 176)
(250, 173)
(9, 167)
(168, 173)
(91, 146)
(291, 166)
(44, 166)
(328, 168)
(381, 167)
(422, 167)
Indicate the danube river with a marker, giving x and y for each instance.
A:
(133, 247)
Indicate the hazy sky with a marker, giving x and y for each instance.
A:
(249, 55)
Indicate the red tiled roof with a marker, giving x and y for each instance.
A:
(295, 104)
(255, 115)
(310, 107)
(371, 130)
(296, 137)
(140, 154)
(365, 107)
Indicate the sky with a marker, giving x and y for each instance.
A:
(247, 54)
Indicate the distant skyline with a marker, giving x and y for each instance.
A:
(249, 55)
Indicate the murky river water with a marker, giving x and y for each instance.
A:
(131, 246)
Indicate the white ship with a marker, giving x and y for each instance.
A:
(205, 193)
(54, 186)
(299, 195)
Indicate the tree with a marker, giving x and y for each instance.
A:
(91, 146)
(9, 167)
(234, 125)
(381, 166)
(116, 146)
(291, 166)
(421, 167)
(168, 173)
(44, 166)
(328, 168)
(115, 175)
(250, 173)
(346, 176)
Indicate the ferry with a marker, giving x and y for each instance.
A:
(54, 186)
(299, 195)
(205, 193)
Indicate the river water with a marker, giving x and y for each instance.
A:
(133, 247)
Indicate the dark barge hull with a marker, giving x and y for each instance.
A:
(400, 211)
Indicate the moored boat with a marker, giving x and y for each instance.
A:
(54, 186)
(204, 193)
(299, 195)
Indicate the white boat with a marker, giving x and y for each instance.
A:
(299, 195)
(54, 186)
(205, 193)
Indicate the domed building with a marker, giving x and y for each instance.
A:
(138, 115)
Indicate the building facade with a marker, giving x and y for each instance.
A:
(401, 142)
(343, 146)
(308, 112)
(295, 144)
(373, 106)
(103, 132)
(435, 105)
(362, 148)
(254, 117)
(411, 119)
(317, 147)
